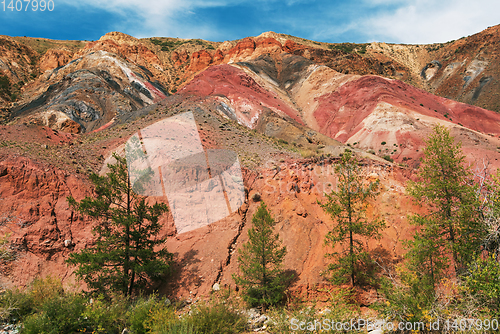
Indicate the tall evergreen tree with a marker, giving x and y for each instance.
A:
(347, 207)
(125, 255)
(445, 187)
(260, 261)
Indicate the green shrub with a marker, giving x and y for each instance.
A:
(59, 315)
(162, 319)
(107, 316)
(15, 305)
(217, 319)
(282, 141)
(383, 143)
(44, 289)
(148, 313)
(179, 327)
(343, 306)
(349, 47)
(6, 253)
(282, 320)
(483, 283)
(388, 158)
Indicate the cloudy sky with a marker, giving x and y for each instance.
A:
(394, 21)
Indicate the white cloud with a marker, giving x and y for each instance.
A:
(399, 21)
(428, 21)
(156, 17)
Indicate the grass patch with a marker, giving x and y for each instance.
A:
(169, 45)
(349, 47)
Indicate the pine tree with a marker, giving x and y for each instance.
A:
(347, 207)
(260, 261)
(445, 186)
(124, 257)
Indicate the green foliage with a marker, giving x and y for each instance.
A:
(347, 208)
(60, 314)
(408, 298)
(124, 257)
(388, 158)
(217, 319)
(150, 315)
(16, 304)
(349, 47)
(342, 305)
(179, 327)
(260, 262)
(426, 257)
(45, 307)
(282, 320)
(483, 283)
(282, 141)
(453, 227)
(6, 253)
(169, 45)
(341, 308)
(107, 315)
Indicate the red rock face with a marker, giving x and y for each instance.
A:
(138, 54)
(199, 61)
(141, 55)
(343, 110)
(36, 213)
(372, 110)
(218, 57)
(247, 97)
(248, 48)
(290, 46)
(180, 57)
(364, 111)
(54, 58)
(242, 49)
(45, 230)
(268, 45)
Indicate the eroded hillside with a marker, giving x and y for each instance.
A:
(288, 107)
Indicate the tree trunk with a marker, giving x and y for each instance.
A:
(126, 262)
(131, 283)
(351, 239)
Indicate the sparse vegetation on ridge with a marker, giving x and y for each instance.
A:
(169, 44)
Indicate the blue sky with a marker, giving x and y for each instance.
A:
(392, 21)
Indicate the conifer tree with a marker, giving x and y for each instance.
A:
(260, 260)
(445, 187)
(127, 252)
(347, 207)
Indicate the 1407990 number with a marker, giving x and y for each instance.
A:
(25, 5)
